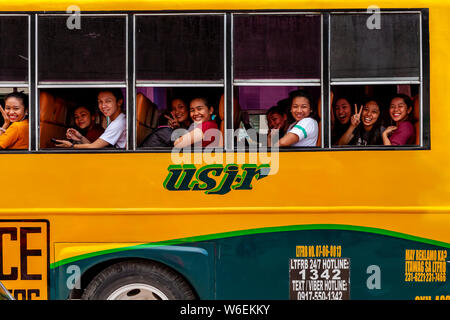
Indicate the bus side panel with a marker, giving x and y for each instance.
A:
(261, 266)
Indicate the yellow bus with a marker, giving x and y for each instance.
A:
(334, 215)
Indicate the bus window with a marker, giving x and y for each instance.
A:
(392, 51)
(75, 118)
(377, 63)
(177, 47)
(162, 110)
(14, 52)
(95, 52)
(178, 57)
(276, 46)
(14, 118)
(262, 109)
(14, 82)
(266, 70)
(358, 99)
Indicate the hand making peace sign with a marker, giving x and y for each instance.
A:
(356, 118)
(173, 122)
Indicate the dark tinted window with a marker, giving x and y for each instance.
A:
(95, 52)
(179, 47)
(276, 46)
(14, 48)
(360, 52)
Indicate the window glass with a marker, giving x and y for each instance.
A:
(392, 50)
(179, 47)
(276, 46)
(95, 52)
(14, 48)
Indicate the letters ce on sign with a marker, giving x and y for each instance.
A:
(24, 258)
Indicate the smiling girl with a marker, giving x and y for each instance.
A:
(365, 126)
(85, 122)
(110, 104)
(176, 117)
(305, 129)
(403, 132)
(14, 132)
(342, 112)
(200, 111)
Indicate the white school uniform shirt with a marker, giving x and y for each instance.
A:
(116, 133)
(307, 131)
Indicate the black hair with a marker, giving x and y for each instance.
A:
(19, 95)
(337, 98)
(204, 99)
(339, 129)
(87, 107)
(276, 109)
(305, 94)
(177, 98)
(116, 92)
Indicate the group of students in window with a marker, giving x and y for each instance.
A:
(363, 125)
(352, 125)
(297, 125)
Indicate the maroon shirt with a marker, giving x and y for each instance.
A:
(94, 133)
(404, 134)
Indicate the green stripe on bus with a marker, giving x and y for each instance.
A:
(230, 234)
(301, 128)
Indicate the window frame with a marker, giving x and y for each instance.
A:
(24, 84)
(175, 83)
(423, 45)
(77, 84)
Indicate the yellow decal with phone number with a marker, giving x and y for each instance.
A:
(24, 258)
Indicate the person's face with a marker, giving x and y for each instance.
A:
(398, 110)
(199, 111)
(300, 108)
(83, 118)
(370, 114)
(15, 109)
(108, 104)
(343, 111)
(276, 120)
(179, 110)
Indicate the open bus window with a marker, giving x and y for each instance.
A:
(378, 68)
(277, 46)
(259, 110)
(94, 52)
(378, 107)
(90, 111)
(14, 52)
(160, 111)
(179, 47)
(390, 51)
(14, 118)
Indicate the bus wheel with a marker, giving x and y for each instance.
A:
(137, 280)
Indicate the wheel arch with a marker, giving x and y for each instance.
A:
(194, 262)
(93, 271)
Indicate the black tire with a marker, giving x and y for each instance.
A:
(138, 280)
